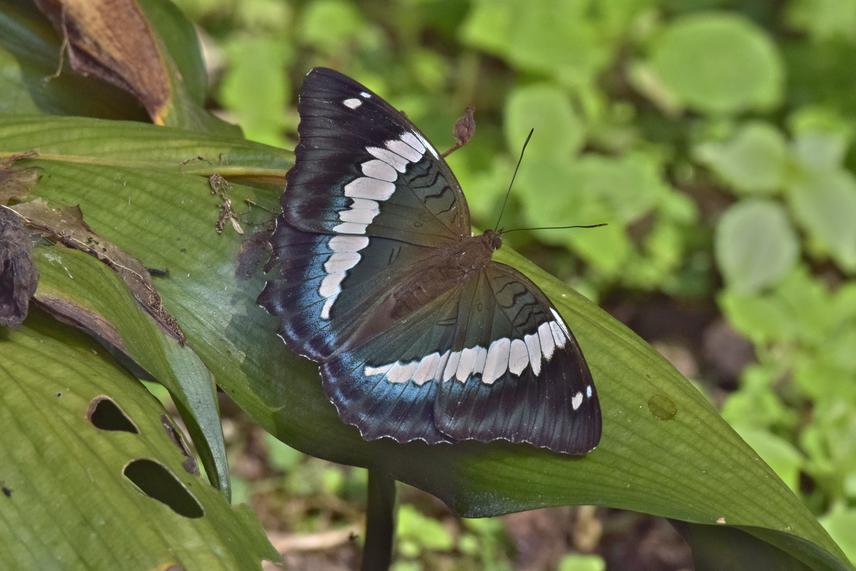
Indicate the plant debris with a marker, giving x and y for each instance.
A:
(66, 226)
(18, 274)
(15, 184)
(220, 187)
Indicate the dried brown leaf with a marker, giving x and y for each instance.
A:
(111, 40)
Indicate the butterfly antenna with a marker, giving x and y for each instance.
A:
(516, 168)
(556, 227)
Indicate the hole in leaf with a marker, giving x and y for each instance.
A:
(156, 481)
(189, 463)
(106, 415)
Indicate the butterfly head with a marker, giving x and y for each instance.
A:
(493, 239)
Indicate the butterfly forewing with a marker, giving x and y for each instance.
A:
(363, 168)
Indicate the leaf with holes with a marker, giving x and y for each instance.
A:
(80, 431)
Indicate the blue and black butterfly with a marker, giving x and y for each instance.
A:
(378, 278)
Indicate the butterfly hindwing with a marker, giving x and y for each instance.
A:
(520, 373)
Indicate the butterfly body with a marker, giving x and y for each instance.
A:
(418, 333)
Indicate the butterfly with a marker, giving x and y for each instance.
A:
(376, 276)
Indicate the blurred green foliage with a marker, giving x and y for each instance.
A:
(714, 137)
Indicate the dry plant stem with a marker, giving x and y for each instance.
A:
(380, 522)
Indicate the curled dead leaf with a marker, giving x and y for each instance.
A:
(112, 40)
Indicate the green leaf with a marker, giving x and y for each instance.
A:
(91, 293)
(824, 19)
(777, 452)
(840, 523)
(559, 132)
(754, 160)
(755, 245)
(255, 85)
(691, 466)
(577, 562)
(425, 532)
(572, 40)
(718, 63)
(824, 204)
(52, 378)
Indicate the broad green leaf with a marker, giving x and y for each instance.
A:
(821, 137)
(579, 562)
(824, 204)
(718, 63)
(755, 245)
(331, 25)
(571, 40)
(69, 499)
(559, 132)
(91, 293)
(777, 452)
(840, 523)
(754, 160)
(255, 86)
(690, 466)
(824, 19)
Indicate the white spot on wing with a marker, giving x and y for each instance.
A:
(451, 365)
(350, 228)
(382, 370)
(545, 335)
(340, 262)
(348, 243)
(534, 347)
(402, 372)
(414, 142)
(588, 392)
(365, 95)
(577, 400)
(371, 188)
(328, 305)
(497, 360)
(558, 335)
(330, 284)
(518, 357)
(352, 103)
(403, 149)
(466, 364)
(362, 216)
(378, 169)
(426, 369)
(394, 160)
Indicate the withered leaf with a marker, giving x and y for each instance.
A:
(111, 40)
(18, 275)
(66, 225)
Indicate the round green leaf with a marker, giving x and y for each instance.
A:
(718, 63)
(559, 132)
(824, 203)
(755, 245)
(754, 160)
